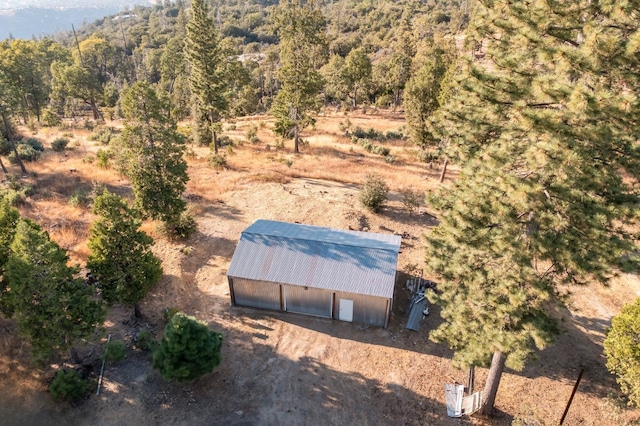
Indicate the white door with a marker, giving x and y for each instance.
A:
(346, 310)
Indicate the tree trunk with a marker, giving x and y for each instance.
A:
(73, 354)
(94, 109)
(493, 382)
(18, 159)
(137, 312)
(214, 136)
(296, 139)
(4, 169)
(444, 169)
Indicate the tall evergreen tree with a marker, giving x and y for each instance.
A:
(208, 77)
(53, 309)
(151, 154)
(9, 217)
(303, 48)
(121, 259)
(545, 127)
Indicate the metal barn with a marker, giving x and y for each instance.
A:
(312, 270)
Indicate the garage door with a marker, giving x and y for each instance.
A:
(257, 294)
(307, 300)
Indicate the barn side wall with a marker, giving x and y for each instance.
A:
(366, 309)
(371, 310)
(256, 294)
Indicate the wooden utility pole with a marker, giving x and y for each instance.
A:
(575, 388)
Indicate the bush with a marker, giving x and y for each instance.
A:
(252, 134)
(103, 157)
(69, 386)
(79, 198)
(225, 141)
(25, 152)
(218, 161)
(33, 143)
(374, 192)
(381, 150)
(50, 118)
(115, 351)
(622, 350)
(188, 349)
(182, 228)
(145, 340)
(5, 147)
(60, 144)
(411, 199)
(102, 135)
(393, 136)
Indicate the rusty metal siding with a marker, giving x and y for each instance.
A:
(366, 309)
(308, 300)
(256, 294)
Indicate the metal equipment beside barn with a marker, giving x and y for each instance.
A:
(312, 270)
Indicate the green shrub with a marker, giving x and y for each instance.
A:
(393, 136)
(25, 152)
(389, 159)
(225, 140)
(374, 192)
(102, 135)
(103, 156)
(168, 313)
(182, 228)
(411, 199)
(79, 198)
(252, 134)
(115, 351)
(218, 161)
(145, 340)
(50, 118)
(33, 143)
(68, 385)
(60, 144)
(381, 150)
(5, 147)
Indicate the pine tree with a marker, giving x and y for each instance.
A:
(9, 217)
(208, 77)
(121, 259)
(187, 350)
(52, 308)
(150, 153)
(303, 47)
(545, 129)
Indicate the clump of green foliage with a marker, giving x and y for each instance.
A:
(79, 198)
(26, 152)
(188, 349)
(68, 385)
(218, 161)
(252, 134)
(59, 144)
(622, 349)
(115, 351)
(102, 135)
(103, 156)
(145, 340)
(374, 192)
(411, 199)
(181, 228)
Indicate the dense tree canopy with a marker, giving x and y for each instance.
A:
(545, 129)
(52, 307)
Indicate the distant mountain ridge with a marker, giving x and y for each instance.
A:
(28, 19)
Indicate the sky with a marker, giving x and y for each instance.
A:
(57, 4)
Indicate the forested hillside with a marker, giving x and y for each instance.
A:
(373, 49)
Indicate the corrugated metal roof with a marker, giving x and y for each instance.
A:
(313, 256)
